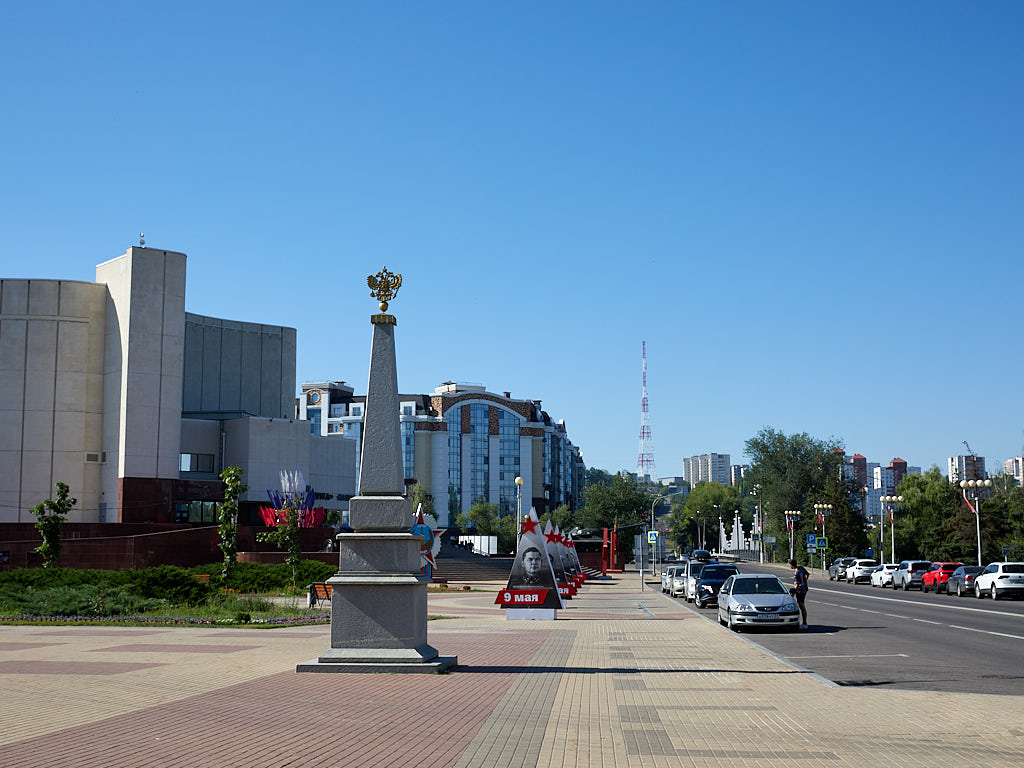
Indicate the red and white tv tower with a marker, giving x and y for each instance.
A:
(645, 457)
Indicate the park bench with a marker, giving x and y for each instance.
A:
(318, 592)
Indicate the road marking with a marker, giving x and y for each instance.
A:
(895, 616)
(925, 621)
(986, 632)
(905, 601)
(857, 656)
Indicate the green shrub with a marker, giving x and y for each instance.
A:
(171, 583)
(84, 600)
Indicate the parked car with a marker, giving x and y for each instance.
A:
(909, 574)
(678, 588)
(693, 569)
(710, 581)
(882, 575)
(1000, 579)
(757, 600)
(837, 570)
(937, 576)
(961, 581)
(666, 577)
(860, 570)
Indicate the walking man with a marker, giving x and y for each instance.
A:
(799, 590)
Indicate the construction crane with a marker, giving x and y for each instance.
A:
(968, 448)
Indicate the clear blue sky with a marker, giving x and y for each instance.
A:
(811, 211)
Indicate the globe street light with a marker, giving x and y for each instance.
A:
(792, 515)
(892, 523)
(976, 488)
(823, 510)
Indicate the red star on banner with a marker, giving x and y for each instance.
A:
(530, 526)
(551, 537)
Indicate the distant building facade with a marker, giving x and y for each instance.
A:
(464, 444)
(737, 472)
(1015, 468)
(966, 468)
(707, 468)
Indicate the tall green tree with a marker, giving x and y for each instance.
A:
(620, 504)
(794, 472)
(561, 517)
(694, 522)
(227, 516)
(50, 515)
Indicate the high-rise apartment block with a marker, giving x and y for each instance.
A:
(1015, 468)
(707, 468)
(966, 468)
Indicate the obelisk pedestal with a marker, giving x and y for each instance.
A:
(378, 595)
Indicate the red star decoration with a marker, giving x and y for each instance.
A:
(551, 538)
(530, 526)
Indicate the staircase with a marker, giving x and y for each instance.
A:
(455, 564)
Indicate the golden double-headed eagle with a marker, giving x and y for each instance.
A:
(383, 287)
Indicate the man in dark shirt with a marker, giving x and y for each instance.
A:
(800, 590)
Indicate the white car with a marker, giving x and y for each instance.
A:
(757, 600)
(860, 570)
(999, 580)
(666, 577)
(678, 588)
(882, 575)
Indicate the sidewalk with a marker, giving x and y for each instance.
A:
(622, 678)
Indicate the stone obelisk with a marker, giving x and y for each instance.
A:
(379, 597)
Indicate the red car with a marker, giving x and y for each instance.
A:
(936, 577)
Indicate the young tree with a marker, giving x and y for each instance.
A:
(419, 495)
(285, 536)
(227, 516)
(50, 516)
(792, 473)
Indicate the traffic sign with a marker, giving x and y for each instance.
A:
(652, 537)
(821, 543)
(769, 539)
(812, 550)
(810, 539)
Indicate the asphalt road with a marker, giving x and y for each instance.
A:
(859, 635)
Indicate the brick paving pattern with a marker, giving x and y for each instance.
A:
(622, 678)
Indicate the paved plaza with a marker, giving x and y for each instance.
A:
(622, 678)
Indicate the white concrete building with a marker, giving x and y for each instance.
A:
(112, 388)
(707, 468)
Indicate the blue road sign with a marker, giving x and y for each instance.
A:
(822, 542)
(811, 539)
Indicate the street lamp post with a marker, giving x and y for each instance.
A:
(824, 510)
(792, 515)
(760, 524)
(653, 528)
(892, 522)
(519, 510)
(976, 487)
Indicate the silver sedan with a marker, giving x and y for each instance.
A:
(757, 600)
